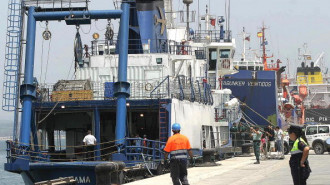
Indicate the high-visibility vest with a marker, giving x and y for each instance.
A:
(295, 149)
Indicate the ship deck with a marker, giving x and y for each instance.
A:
(100, 104)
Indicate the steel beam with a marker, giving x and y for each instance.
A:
(123, 85)
(92, 14)
(28, 78)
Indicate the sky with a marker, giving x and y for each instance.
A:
(290, 23)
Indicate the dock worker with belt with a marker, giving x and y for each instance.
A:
(256, 134)
(178, 146)
(299, 164)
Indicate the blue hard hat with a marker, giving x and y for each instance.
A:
(176, 126)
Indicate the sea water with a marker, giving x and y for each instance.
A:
(7, 178)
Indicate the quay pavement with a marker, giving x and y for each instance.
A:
(241, 170)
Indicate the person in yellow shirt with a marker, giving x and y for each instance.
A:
(178, 146)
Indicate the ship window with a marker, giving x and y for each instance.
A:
(59, 139)
(224, 53)
(311, 130)
(323, 129)
(312, 79)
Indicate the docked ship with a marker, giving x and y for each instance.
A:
(312, 79)
(137, 81)
(256, 85)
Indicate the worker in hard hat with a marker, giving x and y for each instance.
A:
(178, 146)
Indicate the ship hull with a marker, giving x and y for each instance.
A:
(257, 90)
(317, 115)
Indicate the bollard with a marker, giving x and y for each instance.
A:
(246, 149)
(208, 158)
(109, 173)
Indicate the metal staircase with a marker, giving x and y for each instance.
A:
(12, 56)
(163, 122)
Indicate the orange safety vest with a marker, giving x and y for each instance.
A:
(177, 142)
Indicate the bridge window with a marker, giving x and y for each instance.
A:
(224, 53)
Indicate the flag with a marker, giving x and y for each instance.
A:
(259, 34)
(213, 22)
(264, 43)
(247, 38)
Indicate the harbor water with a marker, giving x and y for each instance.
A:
(6, 178)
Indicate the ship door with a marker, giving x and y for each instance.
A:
(212, 59)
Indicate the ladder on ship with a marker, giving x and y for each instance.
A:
(163, 122)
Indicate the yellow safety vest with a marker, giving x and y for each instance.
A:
(295, 149)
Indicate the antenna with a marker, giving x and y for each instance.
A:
(188, 2)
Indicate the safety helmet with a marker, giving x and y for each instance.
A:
(176, 127)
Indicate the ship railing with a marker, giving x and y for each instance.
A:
(58, 4)
(180, 49)
(211, 36)
(185, 88)
(141, 150)
(158, 92)
(182, 88)
(232, 114)
(108, 47)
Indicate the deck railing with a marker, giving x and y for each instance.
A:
(182, 88)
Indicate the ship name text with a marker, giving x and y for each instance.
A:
(243, 83)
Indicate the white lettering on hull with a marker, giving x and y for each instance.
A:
(251, 84)
(82, 179)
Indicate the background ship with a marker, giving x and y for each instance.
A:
(256, 85)
(313, 75)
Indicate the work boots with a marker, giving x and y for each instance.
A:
(258, 162)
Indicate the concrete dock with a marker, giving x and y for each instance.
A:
(241, 170)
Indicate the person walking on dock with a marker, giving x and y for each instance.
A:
(300, 169)
(178, 146)
(256, 134)
(279, 139)
(89, 141)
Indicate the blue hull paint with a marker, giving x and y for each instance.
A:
(83, 172)
(260, 94)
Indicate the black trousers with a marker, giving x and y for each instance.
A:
(299, 174)
(90, 153)
(179, 172)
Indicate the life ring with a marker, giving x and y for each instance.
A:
(225, 63)
(148, 87)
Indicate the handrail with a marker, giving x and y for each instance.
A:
(144, 147)
(192, 98)
(181, 89)
(168, 86)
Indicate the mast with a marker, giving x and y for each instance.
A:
(168, 13)
(244, 36)
(264, 55)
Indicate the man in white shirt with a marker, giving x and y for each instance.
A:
(279, 138)
(89, 141)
